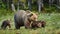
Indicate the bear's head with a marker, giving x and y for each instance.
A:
(32, 16)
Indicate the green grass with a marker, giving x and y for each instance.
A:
(52, 25)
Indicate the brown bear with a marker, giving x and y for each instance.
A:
(38, 24)
(24, 18)
(5, 23)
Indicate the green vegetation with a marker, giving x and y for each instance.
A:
(51, 16)
(52, 23)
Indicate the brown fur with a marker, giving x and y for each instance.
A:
(24, 18)
(5, 23)
(38, 24)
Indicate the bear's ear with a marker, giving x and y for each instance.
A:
(28, 11)
(29, 15)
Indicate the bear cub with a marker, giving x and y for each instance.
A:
(5, 23)
(38, 24)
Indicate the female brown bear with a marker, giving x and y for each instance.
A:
(24, 18)
(38, 24)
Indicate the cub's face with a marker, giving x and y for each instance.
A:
(39, 25)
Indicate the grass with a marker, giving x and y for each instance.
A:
(52, 24)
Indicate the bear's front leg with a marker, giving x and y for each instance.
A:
(27, 25)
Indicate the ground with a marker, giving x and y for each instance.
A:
(52, 24)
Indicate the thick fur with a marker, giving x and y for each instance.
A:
(5, 24)
(23, 18)
(38, 24)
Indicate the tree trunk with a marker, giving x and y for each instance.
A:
(13, 6)
(29, 4)
(18, 5)
(59, 2)
(40, 5)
